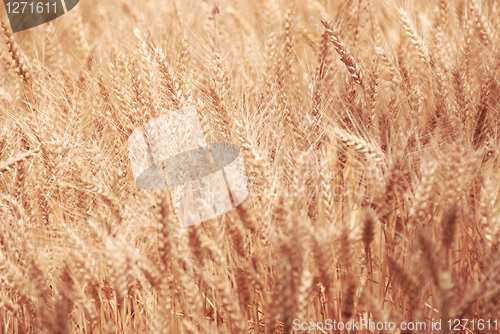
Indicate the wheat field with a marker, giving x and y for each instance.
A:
(370, 135)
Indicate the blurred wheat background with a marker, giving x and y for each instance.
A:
(370, 133)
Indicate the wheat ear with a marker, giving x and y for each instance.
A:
(11, 162)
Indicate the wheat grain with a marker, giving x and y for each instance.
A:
(373, 180)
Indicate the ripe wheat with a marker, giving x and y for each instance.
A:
(370, 136)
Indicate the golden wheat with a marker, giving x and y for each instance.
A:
(370, 136)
